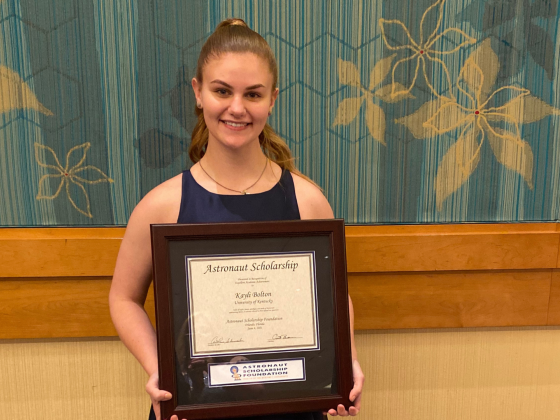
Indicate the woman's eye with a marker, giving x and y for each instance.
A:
(221, 91)
(253, 95)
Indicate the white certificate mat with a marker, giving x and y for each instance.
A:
(247, 373)
(252, 303)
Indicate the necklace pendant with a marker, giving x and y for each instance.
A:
(244, 192)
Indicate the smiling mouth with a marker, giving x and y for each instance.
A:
(235, 124)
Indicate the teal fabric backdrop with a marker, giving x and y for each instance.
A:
(402, 111)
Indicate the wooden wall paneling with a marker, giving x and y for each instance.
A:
(63, 252)
(558, 257)
(49, 308)
(451, 247)
(554, 304)
(458, 228)
(60, 252)
(451, 299)
(54, 282)
(61, 233)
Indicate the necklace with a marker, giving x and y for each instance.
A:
(244, 192)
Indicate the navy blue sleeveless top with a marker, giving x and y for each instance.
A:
(199, 205)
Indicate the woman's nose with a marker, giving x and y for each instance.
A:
(237, 107)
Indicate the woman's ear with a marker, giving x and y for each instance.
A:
(196, 88)
(273, 100)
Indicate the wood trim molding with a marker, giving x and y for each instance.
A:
(58, 308)
(60, 252)
(452, 247)
(54, 282)
(452, 299)
(554, 302)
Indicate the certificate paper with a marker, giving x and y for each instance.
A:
(252, 303)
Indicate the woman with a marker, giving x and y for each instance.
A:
(242, 171)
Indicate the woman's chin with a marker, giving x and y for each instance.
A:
(237, 144)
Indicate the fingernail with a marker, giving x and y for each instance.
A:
(168, 395)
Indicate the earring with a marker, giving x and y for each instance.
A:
(270, 113)
(199, 105)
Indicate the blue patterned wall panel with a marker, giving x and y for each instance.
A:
(403, 111)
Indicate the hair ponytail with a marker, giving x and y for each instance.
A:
(199, 137)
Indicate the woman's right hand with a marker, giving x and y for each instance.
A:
(157, 395)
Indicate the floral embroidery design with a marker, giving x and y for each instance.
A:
(76, 174)
(472, 107)
(423, 49)
(478, 121)
(348, 109)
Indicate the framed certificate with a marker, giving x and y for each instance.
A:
(252, 318)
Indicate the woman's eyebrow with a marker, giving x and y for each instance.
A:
(255, 86)
(259, 85)
(222, 83)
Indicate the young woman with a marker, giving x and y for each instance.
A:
(242, 172)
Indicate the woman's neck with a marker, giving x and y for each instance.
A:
(237, 169)
(226, 162)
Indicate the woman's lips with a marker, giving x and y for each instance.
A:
(235, 126)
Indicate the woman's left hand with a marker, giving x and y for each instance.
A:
(355, 394)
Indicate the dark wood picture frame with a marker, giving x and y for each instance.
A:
(163, 238)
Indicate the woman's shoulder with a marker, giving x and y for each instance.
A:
(161, 204)
(311, 201)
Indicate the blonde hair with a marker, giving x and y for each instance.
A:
(233, 35)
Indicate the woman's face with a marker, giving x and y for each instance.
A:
(236, 96)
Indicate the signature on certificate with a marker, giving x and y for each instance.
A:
(222, 340)
(282, 337)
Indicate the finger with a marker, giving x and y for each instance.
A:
(152, 388)
(341, 410)
(174, 417)
(353, 411)
(159, 395)
(332, 412)
(356, 390)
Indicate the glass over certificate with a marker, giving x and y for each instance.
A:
(252, 303)
(251, 318)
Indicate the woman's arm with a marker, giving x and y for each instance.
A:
(356, 393)
(131, 281)
(314, 205)
(132, 278)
